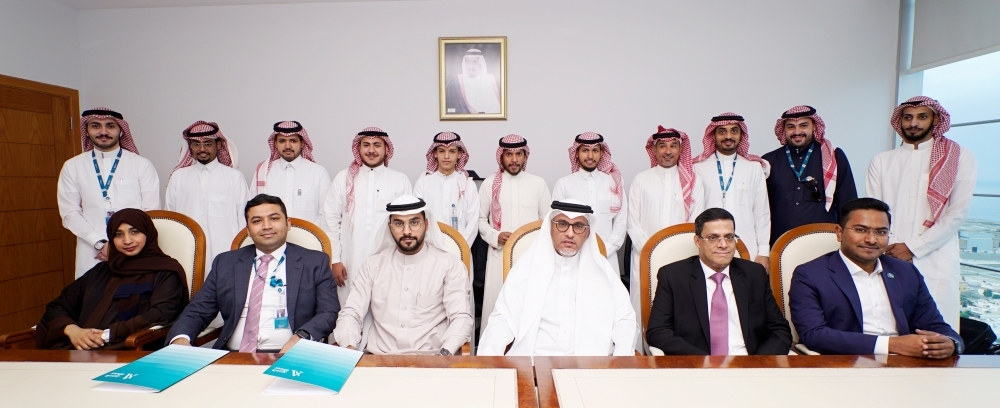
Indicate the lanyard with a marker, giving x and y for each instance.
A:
(111, 174)
(798, 173)
(280, 261)
(725, 186)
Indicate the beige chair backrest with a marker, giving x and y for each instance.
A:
(303, 233)
(455, 243)
(667, 246)
(520, 240)
(181, 238)
(794, 248)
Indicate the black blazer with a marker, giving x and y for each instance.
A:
(678, 321)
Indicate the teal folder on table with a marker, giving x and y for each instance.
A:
(164, 368)
(318, 364)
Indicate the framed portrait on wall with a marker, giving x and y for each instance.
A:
(472, 77)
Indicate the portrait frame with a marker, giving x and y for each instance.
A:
(454, 102)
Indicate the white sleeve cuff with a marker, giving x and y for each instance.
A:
(93, 237)
(106, 335)
(180, 336)
(882, 346)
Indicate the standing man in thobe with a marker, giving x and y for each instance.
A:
(355, 203)
(669, 193)
(928, 183)
(108, 176)
(292, 174)
(602, 190)
(206, 186)
(803, 188)
(450, 193)
(509, 199)
(736, 180)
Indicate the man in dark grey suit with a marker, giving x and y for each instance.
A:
(271, 294)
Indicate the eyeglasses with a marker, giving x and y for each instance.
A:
(813, 185)
(715, 239)
(207, 143)
(879, 233)
(578, 228)
(415, 224)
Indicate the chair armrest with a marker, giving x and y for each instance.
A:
(655, 351)
(207, 336)
(801, 349)
(144, 337)
(12, 339)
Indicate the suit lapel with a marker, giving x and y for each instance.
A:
(895, 300)
(842, 277)
(293, 279)
(700, 296)
(244, 268)
(742, 298)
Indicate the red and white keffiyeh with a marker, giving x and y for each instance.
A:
(286, 128)
(125, 140)
(605, 165)
(201, 131)
(447, 139)
(685, 166)
(742, 148)
(514, 143)
(944, 155)
(355, 166)
(819, 135)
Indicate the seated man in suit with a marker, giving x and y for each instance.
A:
(714, 303)
(860, 301)
(270, 294)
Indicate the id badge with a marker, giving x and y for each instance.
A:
(107, 217)
(281, 319)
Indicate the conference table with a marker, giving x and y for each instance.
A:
(63, 378)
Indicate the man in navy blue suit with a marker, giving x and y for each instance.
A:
(271, 294)
(859, 301)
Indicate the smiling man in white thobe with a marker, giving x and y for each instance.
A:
(450, 193)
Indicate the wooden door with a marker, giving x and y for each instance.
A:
(39, 130)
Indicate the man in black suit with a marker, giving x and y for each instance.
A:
(715, 304)
(270, 294)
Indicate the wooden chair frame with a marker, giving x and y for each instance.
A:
(508, 248)
(456, 236)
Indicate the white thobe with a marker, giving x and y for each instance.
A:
(82, 207)
(353, 238)
(302, 185)
(419, 303)
(656, 201)
(899, 177)
(443, 192)
(523, 198)
(214, 195)
(746, 198)
(594, 189)
(557, 326)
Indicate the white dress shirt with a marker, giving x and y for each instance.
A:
(268, 337)
(441, 192)
(737, 345)
(302, 185)
(557, 328)
(876, 311)
(214, 195)
(746, 198)
(82, 206)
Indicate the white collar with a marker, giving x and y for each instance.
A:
(109, 155)
(854, 269)
(709, 271)
(295, 164)
(211, 166)
(440, 174)
(377, 169)
(727, 156)
(572, 262)
(922, 146)
(280, 250)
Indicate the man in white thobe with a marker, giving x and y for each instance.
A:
(561, 297)
(508, 199)
(450, 193)
(928, 182)
(206, 186)
(600, 186)
(292, 174)
(416, 292)
(108, 176)
(667, 194)
(736, 180)
(355, 204)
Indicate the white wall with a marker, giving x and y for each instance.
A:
(617, 68)
(38, 41)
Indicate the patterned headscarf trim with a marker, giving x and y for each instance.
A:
(355, 166)
(285, 128)
(125, 140)
(685, 166)
(510, 142)
(604, 165)
(201, 131)
(819, 135)
(742, 148)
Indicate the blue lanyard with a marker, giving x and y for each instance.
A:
(798, 173)
(725, 186)
(111, 174)
(280, 261)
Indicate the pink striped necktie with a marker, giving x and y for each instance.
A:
(252, 326)
(719, 318)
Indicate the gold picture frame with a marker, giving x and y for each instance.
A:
(477, 91)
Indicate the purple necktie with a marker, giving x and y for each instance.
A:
(719, 318)
(250, 330)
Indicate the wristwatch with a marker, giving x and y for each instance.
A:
(303, 334)
(100, 244)
(444, 352)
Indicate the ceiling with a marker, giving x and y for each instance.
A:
(118, 4)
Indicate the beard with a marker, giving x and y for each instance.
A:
(409, 248)
(916, 137)
(207, 161)
(513, 169)
(588, 169)
(568, 253)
